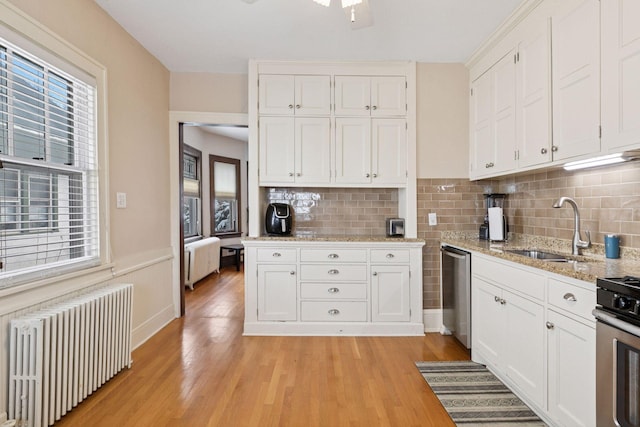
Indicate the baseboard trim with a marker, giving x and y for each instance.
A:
(432, 319)
(149, 328)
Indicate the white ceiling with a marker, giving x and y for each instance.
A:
(220, 36)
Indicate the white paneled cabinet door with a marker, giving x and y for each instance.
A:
(620, 74)
(481, 126)
(276, 94)
(276, 147)
(533, 97)
(389, 151)
(277, 292)
(353, 150)
(488, 321)
(524, 350)
(571, 371)
(576, 78)
(388, 96)
(352, 96)
(504, 113)
(312, 150)
(313, 95)
(390, 293)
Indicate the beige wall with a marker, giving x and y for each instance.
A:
(138, 162)
(442, 120)
(220, 93)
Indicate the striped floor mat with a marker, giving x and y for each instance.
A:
(473, 396)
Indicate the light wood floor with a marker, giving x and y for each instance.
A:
(201, 371)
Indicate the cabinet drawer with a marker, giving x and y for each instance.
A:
(276, 255)
(333, 255)
(333, 311)
(390, 256)
(512, 277)
(333, 272)
(333, 291)
(571, 298)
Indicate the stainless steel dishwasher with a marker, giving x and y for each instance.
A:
(455, 273)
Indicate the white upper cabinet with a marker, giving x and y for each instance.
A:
(294, 95)
(533, 96)
(381, 96)
(620, 74)
(277, 155)
(576, 78)
(389, 151)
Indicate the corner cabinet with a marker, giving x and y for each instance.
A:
(298, 287)
(535, 331)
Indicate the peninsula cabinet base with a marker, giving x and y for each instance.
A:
(333, 329)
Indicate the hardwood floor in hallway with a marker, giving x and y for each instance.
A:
(200, 371)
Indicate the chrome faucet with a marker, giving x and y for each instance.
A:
(577, 243)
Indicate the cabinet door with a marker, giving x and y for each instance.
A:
(533, 97)
(277, 292)
(481, 126)
(390, 293)
(276, 94)
(389, 151)
(388, 96)
(487, 325)
(353, 150)
(524, 350)
(312, 150)
(276, 148)
(576, 78)
(352, 96)
(504, 114)
(620, 74)
(312, 95)
(572, 371)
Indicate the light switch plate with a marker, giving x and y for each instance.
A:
(121, 200)
(433, 220)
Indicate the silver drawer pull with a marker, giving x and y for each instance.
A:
(570, 297)
(390, 256)
(333, 290)
(333, 271)
(334, 312)
(333, 256)
(276, 254)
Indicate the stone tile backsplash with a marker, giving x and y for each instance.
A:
(608, 198)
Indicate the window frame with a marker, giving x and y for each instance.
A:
(193, 152)
(212, 193)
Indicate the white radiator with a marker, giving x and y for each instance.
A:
(61, 354)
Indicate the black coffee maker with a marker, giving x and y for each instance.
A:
(278, 220)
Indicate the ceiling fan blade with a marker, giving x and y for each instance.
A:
(362, 15)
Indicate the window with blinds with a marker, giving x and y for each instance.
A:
(225, 196)
(48, 169)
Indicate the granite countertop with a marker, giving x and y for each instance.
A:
(316, 238)
(588, 267)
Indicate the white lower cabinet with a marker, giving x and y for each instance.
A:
(332, 288)
(535, 331)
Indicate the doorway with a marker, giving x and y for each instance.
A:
(178, 121)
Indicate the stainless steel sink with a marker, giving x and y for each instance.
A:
(541, 255)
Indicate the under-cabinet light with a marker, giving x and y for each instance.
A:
(602, 160)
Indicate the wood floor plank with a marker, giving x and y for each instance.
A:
(200, 371)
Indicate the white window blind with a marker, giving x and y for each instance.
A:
(48, 180)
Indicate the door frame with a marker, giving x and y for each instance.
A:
(175, 119)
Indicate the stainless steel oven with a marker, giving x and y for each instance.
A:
(618, 352)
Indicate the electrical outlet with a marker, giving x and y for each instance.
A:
(433, 220)
(121, 200)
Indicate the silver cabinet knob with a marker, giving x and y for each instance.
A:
(368, 175)
(298, 174)
(550, 325)
(333, 312)
(276, 254)
(333, 256)
(496, 299)
(333, 271)
(298, 106)
(375, 175)
(333, 290)
(375, 273)
(543, 151)
(290, 173)
(570, 297)
(290, 106)
(503, 301)
(366, 107)
(554, 148)
(390, 256)
(293, 273)
(375, 107)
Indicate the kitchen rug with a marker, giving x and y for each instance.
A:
(473, 396)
